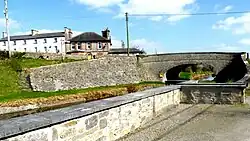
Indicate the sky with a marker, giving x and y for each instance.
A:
(155, 34)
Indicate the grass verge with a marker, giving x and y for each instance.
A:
(25, 98)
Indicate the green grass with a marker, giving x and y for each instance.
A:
(247, 92)
(26, 95)
(9, 77)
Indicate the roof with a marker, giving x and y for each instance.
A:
(37, 36)
(124, 50)
(88, 37)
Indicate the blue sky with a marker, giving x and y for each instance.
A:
(161, 34)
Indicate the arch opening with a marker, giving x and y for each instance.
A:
(233, 72)
(190, 72)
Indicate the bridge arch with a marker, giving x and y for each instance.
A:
(173, 73)
(225, 65)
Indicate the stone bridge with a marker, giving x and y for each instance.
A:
(221, 62)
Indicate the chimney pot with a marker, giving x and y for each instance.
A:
(3, 34)
(34, 32)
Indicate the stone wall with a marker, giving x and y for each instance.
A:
(213, 93)
(89, 73)
(103, 120)
(113, 70)
(55, 56)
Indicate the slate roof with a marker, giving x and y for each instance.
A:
(124, 51)
(89, 37)
(37, 36)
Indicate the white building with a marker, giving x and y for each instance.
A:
(41, 43)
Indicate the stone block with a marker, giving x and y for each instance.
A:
(103, 114)
(103, 138)
(103, 123)
(91, 122)
(39, 135)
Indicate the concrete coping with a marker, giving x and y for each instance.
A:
(222, 85)
(20, 125)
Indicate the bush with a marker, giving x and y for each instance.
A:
(15, 65)
(4, 55)
(132, 88)
(185, 75)
(18, 55)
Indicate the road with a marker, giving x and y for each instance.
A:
(197, 123)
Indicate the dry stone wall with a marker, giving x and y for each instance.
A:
(89, 73)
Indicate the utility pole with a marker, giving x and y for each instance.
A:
(7, 25)
(126, 14)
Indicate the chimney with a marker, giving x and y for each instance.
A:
(106, 33)
(3, 34)
(34, 32)
(66, 33)
(123, 44)
(70, 33)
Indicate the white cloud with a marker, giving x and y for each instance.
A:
(226, 47)
(147, 7)
(238, 25)
(149, 46)
(156, 18)
(100, 3)
(12, 23)
(158, 7)
(219, 8)
(227, 8)
(245, 41)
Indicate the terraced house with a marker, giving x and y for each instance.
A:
(36, 42)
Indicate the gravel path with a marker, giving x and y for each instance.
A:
(197, 123)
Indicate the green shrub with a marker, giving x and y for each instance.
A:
(18, 55)
(4, 55)
(131, 88)
(185, 75)
(15, 65)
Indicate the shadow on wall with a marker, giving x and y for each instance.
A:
(234, 71)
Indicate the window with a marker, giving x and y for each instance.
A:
(89, 45)
(14, 49)
(105, 45)
(99, 45)
(55, 40)
(46, 50)
(4, 43)
(35, 41)
(49, 46)
(25, 49)
(36, 49)
(79, 46)
(45, 40)
(14, 42)
(73, 46)
(57, 51)
(24, 42)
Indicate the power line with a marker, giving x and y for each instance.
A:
(191, 14)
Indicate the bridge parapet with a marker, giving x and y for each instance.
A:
(187, 56)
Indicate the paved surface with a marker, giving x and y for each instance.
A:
(197, 123)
